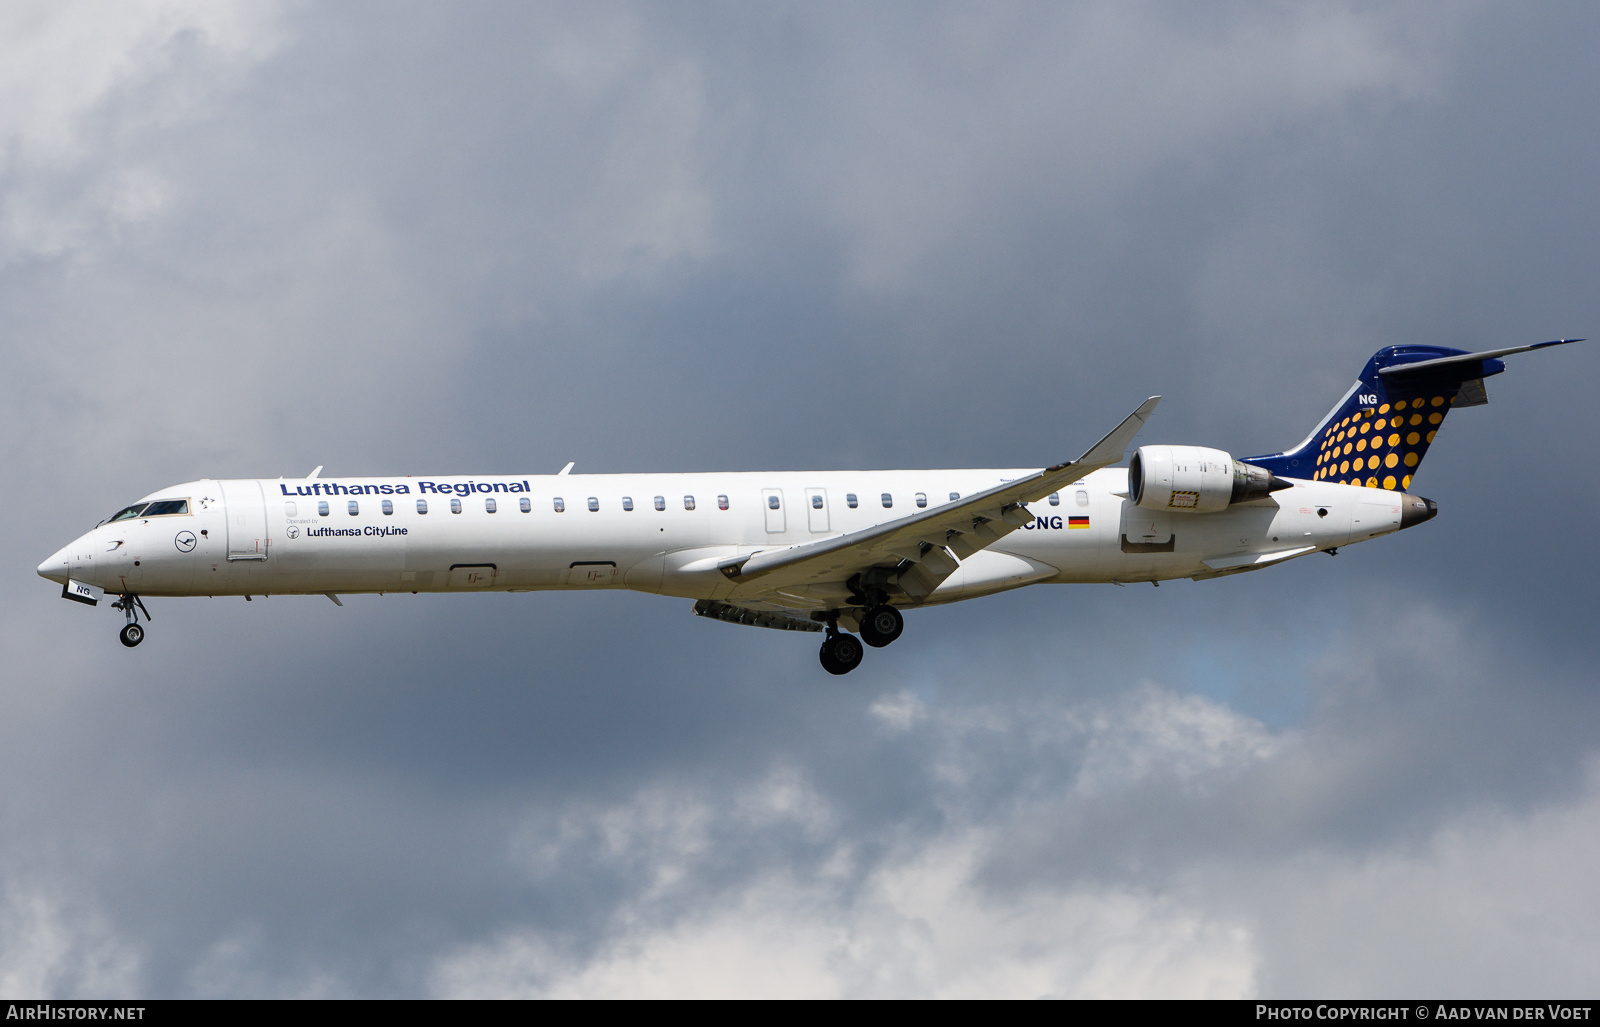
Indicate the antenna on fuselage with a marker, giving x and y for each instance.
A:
(315, 471)
(567, 468)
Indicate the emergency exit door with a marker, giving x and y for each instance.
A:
(817, 509)
(772, 506)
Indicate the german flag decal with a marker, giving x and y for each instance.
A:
(1077, 522)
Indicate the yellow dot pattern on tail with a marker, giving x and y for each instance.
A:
(1389, 432)
(1379, 431)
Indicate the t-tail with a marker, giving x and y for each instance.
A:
(1378, 433)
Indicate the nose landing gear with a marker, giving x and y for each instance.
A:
(131, 605)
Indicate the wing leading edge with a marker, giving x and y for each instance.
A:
(924, 548)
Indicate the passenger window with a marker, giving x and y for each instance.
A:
(322, 508)
(661, 502)
(455, 506)
(850, 500)
(627, 502)
(288, 509)
(1082, 497)
(353, 507)
(422, 506)
(722, 502)
(888, 501)
(954, 496)
(525, 504)
(594, 504)
(772, 502)
(1055, 499)
(688, 502)
(489, 505)
(922, 500)
(388, 508)
(559, 503)
(133, 511)
(816, 502)
(162, 507)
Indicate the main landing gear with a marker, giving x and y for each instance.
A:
(131, 605)
(881, 625)
(841, 651)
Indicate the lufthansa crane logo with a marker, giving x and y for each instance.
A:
(292, 531)
(185, 541)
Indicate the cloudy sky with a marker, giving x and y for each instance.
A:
(243, 239)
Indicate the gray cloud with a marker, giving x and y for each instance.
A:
(251, 239)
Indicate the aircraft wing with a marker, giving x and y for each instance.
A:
(919, 547)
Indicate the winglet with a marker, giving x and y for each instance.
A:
(1114, 446)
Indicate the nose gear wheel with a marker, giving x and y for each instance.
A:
(131, 605)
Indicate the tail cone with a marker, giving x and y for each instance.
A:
(1415, 510)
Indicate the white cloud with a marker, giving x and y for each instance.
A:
(1154, 732)
(78, 81)
(51, 947)
(1483, 902)
(917, 922)
(915, 927)
(1494, 903)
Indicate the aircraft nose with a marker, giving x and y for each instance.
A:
(57, 568)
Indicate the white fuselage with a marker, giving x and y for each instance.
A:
(272, 536)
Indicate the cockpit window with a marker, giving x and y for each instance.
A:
(166, 506)
(126, 512)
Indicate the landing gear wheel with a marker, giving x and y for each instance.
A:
(131, 635)
(841, 653)
(881, 625)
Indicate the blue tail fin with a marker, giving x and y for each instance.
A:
(1378, 433)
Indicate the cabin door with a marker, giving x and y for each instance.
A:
(247, 519)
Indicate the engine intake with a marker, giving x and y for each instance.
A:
(1193, 479)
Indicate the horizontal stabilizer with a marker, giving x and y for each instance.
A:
(1444, 363)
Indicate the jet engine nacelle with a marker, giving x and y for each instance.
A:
(1193, 479)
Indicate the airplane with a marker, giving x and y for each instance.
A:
(840, 553)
